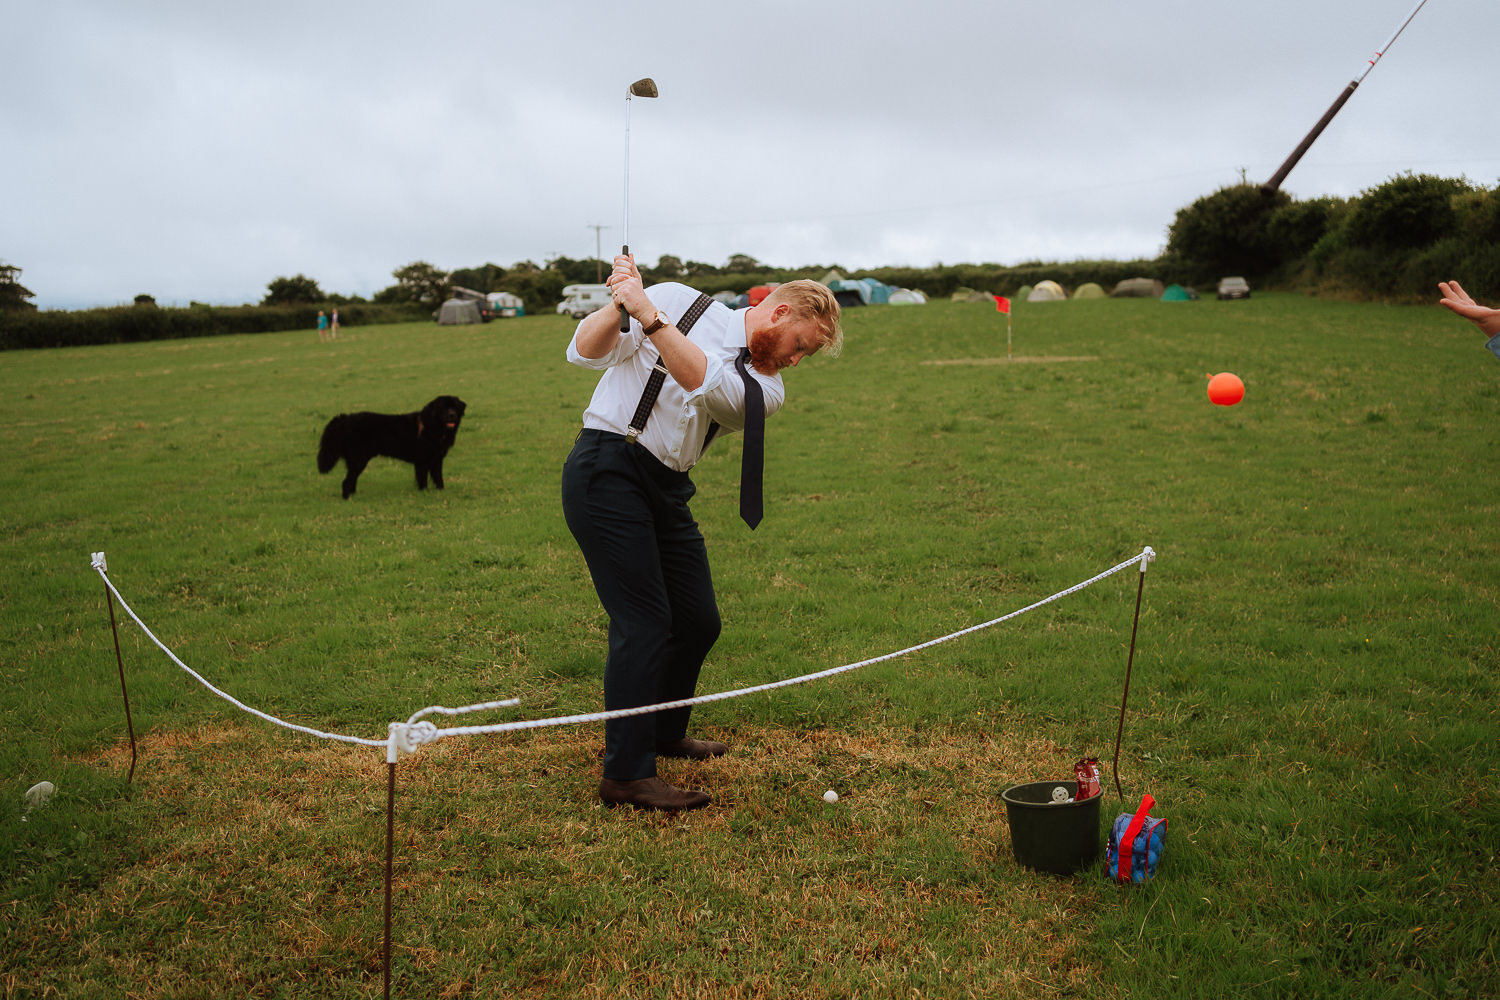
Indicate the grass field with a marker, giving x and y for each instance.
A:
(1313, 703)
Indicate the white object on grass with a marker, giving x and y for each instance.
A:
(830, 796)
(37, 795)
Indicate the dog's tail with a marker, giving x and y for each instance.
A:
(329, 448)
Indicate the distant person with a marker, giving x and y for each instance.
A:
(626, 487)
(333, 326)
(322, 325)
(1487, 319)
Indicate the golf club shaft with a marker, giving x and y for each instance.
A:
(625, 232)
(644, 87)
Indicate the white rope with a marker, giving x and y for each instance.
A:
(424, 732)
(102, 570)
(411, 735)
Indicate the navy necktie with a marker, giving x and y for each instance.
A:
(752, 458)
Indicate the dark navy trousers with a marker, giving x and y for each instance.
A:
(629, 514)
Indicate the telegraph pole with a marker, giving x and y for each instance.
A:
(598, 254)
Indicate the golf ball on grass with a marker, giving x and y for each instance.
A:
(830, 796)
(1225, 389)
(37, 795)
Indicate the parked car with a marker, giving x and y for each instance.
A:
(1234, 288)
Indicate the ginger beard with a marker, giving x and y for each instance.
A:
(763, 345)
(772, 348)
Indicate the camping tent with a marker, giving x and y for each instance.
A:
(1047, 291)
(458, 311)
(725, 297)
(850, 292)
(1088, 290)
(1143, 288)
(1021, 293)
(907, 297)
(870, 291)
(1176, 293)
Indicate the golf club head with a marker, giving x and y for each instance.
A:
(644, 87)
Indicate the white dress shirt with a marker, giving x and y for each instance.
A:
(680, 420)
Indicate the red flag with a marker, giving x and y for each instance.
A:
(1002, 304)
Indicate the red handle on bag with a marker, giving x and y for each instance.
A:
(1127, 842)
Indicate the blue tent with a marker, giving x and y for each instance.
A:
(870, 291)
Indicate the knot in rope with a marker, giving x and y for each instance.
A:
(408, 738)
(98, 564)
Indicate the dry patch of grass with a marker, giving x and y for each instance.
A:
(1019, 359)
(262, 869)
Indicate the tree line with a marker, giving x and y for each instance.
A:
(1393, 242)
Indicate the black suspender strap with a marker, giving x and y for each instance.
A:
(659, 372)
(648, 400)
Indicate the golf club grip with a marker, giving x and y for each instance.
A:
(624, 316)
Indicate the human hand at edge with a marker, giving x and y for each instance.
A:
(1459, 301)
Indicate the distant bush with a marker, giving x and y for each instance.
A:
(1398, 240)
(1477, 215)
(129, 324)
(1295, 228)
(1227, 232)
(1405, 213)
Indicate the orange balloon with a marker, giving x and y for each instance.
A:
(1225, 388)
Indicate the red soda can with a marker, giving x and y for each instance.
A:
(1087, 773)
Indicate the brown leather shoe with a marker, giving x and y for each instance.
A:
(650, 793)
(692, 749)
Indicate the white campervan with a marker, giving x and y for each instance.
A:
(580, 300)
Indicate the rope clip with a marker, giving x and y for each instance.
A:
(407, 739)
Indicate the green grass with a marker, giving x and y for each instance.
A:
(1313, 703)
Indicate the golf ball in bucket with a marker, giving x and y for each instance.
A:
(1225, 388)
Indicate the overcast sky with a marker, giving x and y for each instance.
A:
(196, 151)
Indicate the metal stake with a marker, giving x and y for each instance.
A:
(390, 836)
(124, 692)
(1129, 661)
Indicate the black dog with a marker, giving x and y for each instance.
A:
(422, 438)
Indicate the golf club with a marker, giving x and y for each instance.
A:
(644, 87)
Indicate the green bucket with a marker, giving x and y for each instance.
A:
(1057, 838)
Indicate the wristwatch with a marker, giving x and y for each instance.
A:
(660, 321)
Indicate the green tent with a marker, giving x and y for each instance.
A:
(1175, 293)
(1089, 290)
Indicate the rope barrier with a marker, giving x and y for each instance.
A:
(102, 569)
(409, 736)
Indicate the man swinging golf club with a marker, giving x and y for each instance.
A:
(686, 371)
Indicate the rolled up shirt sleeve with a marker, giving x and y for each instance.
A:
(628, 344)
